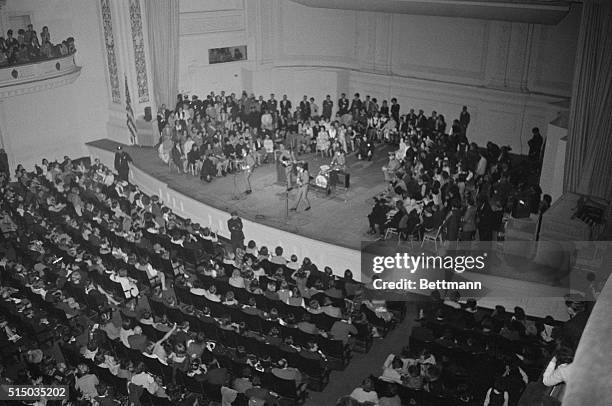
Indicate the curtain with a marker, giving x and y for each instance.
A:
(163, 30)
(588, 167)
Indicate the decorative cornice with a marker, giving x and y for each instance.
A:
(36, 77)
(40, 85)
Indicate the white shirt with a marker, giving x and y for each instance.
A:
(554, 374)
(123, 336)
(130, 290)
(146, 381)
(362, 396)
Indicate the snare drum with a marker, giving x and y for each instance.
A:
(321, 181)
(324, 169)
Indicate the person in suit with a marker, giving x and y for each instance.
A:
(248, 167)
(464, 119)
(535, 144)
(287, 159)
(122, 161)
(285, 107)
(4, 163)
(303, 180)
(395, 109)
(356, 105)
(343, 105)
(328, 106)
(305, 108)
(234, 224)
(468, 228)
(272, 104)
(486, 221)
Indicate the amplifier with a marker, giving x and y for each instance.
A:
(342, 179)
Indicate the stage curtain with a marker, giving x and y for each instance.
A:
(163, 30)
(588, 168)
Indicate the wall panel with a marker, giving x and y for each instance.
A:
(57, 122)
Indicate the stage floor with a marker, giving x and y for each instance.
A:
(340, 218)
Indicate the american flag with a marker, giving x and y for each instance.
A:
(131, 124)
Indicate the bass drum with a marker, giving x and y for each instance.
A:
(321, 181)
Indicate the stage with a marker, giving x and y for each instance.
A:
(331, 233)
(339, 219)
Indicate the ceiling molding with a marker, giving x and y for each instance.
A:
(549, 12)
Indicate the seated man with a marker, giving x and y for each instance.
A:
(208, 170)
(284, 371)
(391, 168)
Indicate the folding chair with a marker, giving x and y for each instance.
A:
(434, 236)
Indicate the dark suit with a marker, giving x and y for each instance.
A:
(486, 222)
(272, 105)
(122, 160)
(328, 105)
(395, 110)
(356, 106)
(464, 120)
(138, 342)
(304, 110)
(285, 108)
(237, 236)
(343, 106)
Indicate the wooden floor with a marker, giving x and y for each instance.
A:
(340, 218)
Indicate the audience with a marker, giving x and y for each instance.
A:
(27, 48)
(101, 275)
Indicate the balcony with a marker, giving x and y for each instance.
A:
(38, 76)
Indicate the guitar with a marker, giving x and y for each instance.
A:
(287, 162)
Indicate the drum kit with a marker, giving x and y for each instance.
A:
(330, 176)
(322, 179)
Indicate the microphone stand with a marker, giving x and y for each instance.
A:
(287, 199)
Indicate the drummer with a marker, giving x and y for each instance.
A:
(338, 162)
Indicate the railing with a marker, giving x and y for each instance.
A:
(37, 76)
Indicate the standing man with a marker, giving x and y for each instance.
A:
(343, 105)
(303, 179)
(234, 224)
(356, 105)
(122, 161)
(314, 109)
(272, 104)
(249, 166)
(286, 159)
(328, 105)
(4, 163)
(285, 107)
(464, 120)
(305, 108)
(395, 110)
(535, 144)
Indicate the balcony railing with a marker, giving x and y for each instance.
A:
(37, 76)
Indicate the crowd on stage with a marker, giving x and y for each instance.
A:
(438, 180)
(105, 290)
(212, 136)
(26, 47)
